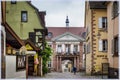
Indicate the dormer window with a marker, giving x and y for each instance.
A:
(24, 16)
(50, 34)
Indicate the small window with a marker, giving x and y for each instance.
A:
(13, 1)
(116, 45)
(103, 45)
(50, 34)
(103, 22)
(75, 49)
(115, 9)
(59, 48)
(24, 17)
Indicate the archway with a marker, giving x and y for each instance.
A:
(67, 65)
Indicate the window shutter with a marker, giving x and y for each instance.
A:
(100, 45)
(112, 46)
(100, 22)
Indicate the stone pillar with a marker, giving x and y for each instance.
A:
(54, 56)
(81, 54)
(71, 48)
(57, 63)
(74, 61)
(60, 65)
(78, 64)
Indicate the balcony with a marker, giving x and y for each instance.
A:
(68, 53)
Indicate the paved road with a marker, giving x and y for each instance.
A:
(66, 75)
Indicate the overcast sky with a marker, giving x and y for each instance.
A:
(57, 10)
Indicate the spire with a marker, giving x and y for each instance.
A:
(67, 21)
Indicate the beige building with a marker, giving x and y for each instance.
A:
(112, 15)
(96, 37)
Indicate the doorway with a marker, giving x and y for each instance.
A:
(67, 66)
(30, 65)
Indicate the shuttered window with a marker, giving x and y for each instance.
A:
(103, 22)
(103, 45)
(115, 9)
(116, 45)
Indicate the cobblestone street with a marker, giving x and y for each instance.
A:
(66, 75)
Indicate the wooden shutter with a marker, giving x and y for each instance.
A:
(100, 23)
(112, 46)
(100, 45)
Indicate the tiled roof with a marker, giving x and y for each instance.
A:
(56, 31)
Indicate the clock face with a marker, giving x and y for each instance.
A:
(50, 35)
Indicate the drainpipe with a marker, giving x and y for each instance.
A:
(119, 37)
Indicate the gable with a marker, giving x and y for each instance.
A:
(28, 47)
(68, 37)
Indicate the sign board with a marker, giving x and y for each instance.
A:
(20, 62)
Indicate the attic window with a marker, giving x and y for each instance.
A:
(13, 1)
(24, 16)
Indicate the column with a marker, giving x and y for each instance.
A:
(60, 65)
(57, 63)
(74, 61)
(71, 49)
(78, 63)
(63, 48)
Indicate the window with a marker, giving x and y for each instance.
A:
(24, 17)
(103, 45)
(13, 1)
(32, 37)
(67, 48)
(115, 9)
(49, 64)
(116, 45)
(50, 34)
(75, 49)
(59, 49)
(103, 22)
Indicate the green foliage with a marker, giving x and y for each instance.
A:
(46, 53)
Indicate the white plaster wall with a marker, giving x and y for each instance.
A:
(11, 68)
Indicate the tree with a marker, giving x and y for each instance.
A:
(46, 53)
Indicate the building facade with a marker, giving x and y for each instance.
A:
(113, 32)
(96, 36)
(67, 45)
(25, 32)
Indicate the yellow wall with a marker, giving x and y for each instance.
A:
(97, 61)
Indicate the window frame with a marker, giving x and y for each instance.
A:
(22, 13)
(116, 46)
(103, 46)
(102, 21)
(115, 9)
(13, 1)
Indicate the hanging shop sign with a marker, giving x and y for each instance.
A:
(20, 62)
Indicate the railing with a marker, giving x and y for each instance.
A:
(67, 53)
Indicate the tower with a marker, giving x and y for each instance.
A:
(67, 22)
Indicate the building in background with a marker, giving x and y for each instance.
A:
(67, 45)
(96, 24)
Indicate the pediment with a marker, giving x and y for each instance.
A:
(68, 37)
